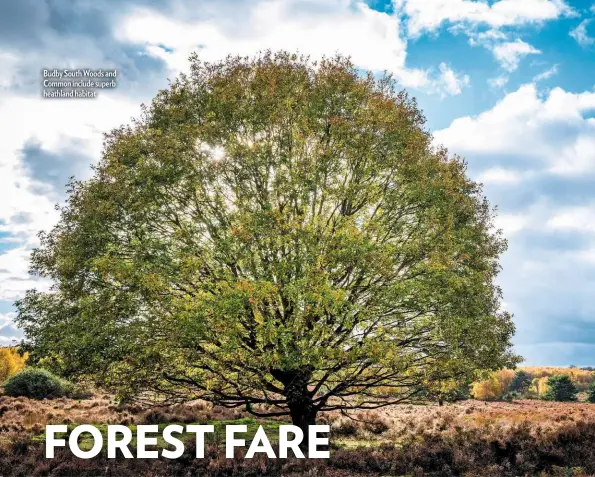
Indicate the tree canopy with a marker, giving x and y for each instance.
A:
(560, 388)
(276, 234)
(521, 382)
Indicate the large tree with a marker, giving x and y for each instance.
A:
(275, 234)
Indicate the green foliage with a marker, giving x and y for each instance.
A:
(560, 388)
(511, 396)
(447, 391)
(36, 383)
(591, 392)
(521, 382)
(272, 231)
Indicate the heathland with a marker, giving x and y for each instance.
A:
(468, 437)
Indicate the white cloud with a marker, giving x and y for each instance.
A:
(9, 340)
(428, 15)
(511, 223)
(509, 54)
(498, 175)
(6, 319)
(498, 81)
(486, 36)
(471, 17)
(54, 124)
(373, 39)
(449, 82)
(8, 66)
(525, 149)
(578, 219)
(14, 277)
(574, 218)
(25, 209)
(67, 135)
(578, 156)
(546, 74)
(580, 33)
(552, 132)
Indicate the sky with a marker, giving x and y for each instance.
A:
(507, 84)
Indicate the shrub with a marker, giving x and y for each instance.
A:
(344, 428)
(560, 388)
(511, 396)
(375, 424)
(156, 416)
(38, 383)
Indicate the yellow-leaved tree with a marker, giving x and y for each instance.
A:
(11, 362)
(487, 390)
(540, 386)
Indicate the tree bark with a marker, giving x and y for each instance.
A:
(300, 403)
(303, 415)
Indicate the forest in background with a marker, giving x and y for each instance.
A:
(530, 383)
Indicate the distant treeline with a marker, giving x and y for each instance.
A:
(529, 382)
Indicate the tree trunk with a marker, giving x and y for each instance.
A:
(301, 407)
(303, 415)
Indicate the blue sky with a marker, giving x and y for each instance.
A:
(507, 84)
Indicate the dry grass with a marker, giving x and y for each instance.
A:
(403, 422)
(27, 417)
(470, 438)
(394, 424)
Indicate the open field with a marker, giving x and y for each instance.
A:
(468, 438)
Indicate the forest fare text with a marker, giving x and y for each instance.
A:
(119, 437)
